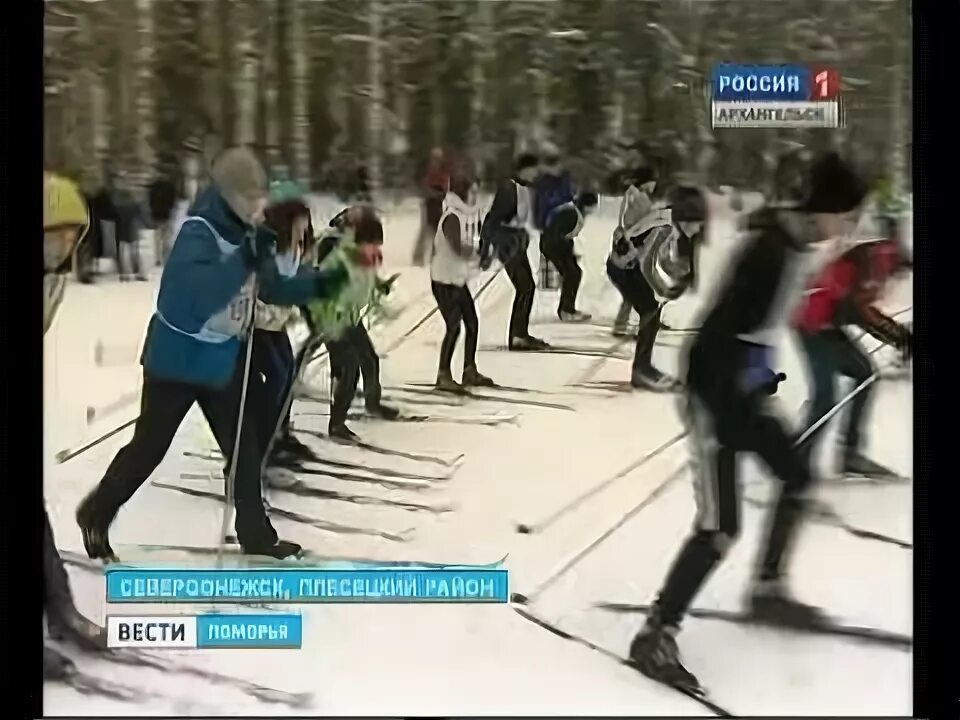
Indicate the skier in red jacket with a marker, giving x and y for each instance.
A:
(843, 293)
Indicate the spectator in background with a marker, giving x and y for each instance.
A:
(436, 181)
(127, 227)
(102, 211)
(162, 199)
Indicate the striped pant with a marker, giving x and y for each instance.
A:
(719, 434)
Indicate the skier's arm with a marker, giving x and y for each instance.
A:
(197, 260)
(451, 231)
(564, 222)
(307, 285)
(864, 313)
(503, 209)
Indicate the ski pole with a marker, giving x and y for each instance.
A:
(548, 521)
(230, 480)
(69, 454)
(848, 398)
(287, 402)
(526, 599)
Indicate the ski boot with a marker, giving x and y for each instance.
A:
(56, 665)
(473, 378)
(280, 549)
(95, 530)
(384, 412)
(278, 477)
(654, 652)
(446, 383)
(856, 464)
(289, 450)
(574, 317)
(652, 379)
(771, 603)
(527, 344)
(340, 431)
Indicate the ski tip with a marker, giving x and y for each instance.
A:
(519, 599)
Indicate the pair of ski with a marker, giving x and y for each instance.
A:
(557, 350)
(292, 515)
(471, 393)
(873, 635)
(408, 417)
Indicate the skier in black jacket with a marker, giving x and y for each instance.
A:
(504, 235)
(729, 375)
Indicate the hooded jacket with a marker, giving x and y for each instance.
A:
(206, 298)
(845, 290)
(63, 206)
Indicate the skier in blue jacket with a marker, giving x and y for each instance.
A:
(195, 350)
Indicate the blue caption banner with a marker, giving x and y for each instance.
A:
(249, 631)
(295, 585)
(758, 83)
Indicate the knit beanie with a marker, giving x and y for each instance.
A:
(241, 180)
(834, 186)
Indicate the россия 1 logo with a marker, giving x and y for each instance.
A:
(775, 96)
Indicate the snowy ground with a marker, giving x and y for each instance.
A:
(486, 660)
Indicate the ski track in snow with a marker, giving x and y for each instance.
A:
(487, 659)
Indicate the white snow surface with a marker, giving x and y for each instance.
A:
(450, 660)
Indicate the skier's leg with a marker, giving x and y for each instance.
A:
(717, 523)
(521, 276)
(569, 269)
(635, 289)
(623, 317)
(64, 621)
(162, 408)
(452, 313)
(821, 371)
(369, 365)
(765, 435)
(654, 649)
(855, 364)
(344, 375)
(221, 408)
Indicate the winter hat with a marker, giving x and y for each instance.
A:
(587, 199)
(834, 187)
(285, 190)
(642, 175)
(527, 160)
(241, 179)
(367, 227)
(687, 204)
(63, 205)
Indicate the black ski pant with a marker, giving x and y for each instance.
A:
(351, 356)
(723, 423)
(456, 306)
(558, 250)
(271, 380)
(518, 270)
(635, 290)
(57, 596)
(163, 405)
(830, 353)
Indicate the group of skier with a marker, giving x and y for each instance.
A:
(247, 260)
